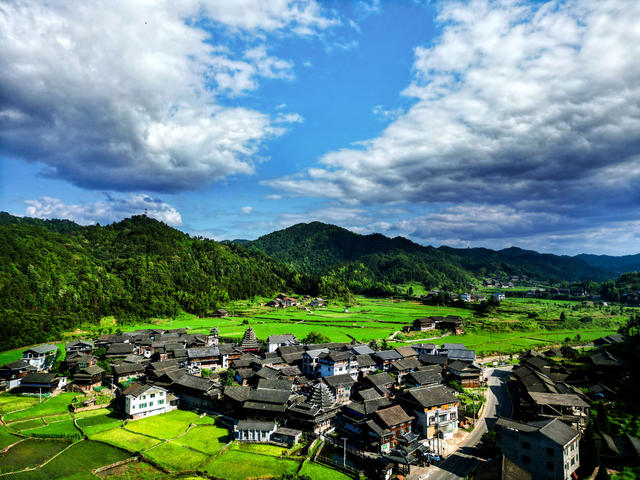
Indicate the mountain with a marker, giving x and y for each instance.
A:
(51, 281)
(625, 263)
(516, 261)
(320, 248)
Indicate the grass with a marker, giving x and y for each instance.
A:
(6, 438)
(168, 425)
(246, 465)
(29, 453)
(77, 462)
(99, 421)
(137, 471)
(26, 425)
(51, 406)
(176, 457)
(320, 472)
(207, 439)
(263, 448)
(124, 439)
(65, 427)
(11, 403)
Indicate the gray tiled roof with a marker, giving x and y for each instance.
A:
(431, 395)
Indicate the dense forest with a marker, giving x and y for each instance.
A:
(361, 260)
(56, 275)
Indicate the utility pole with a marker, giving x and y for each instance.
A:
(344, 456)
(473, 406)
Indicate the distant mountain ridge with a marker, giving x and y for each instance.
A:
(319, 248)
(622, 264)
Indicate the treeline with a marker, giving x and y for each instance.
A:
(57, 275)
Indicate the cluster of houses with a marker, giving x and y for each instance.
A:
(451, 323)
(394, 404)
(284, 301)
(551, 413)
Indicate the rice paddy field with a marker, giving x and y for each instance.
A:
(30, 453)
(518, 324)
(77, 462)
(50, 406)
(247, 465)
(118, 437)
(318, 471)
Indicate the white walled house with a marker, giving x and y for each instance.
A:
(41, 357)
(146, 400)
(254, 430)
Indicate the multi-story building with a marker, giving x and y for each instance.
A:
(548, 449)
(435, 408)
(337, 363)
(41, 358)
(387, 426)
(310, 361)
(146, 400)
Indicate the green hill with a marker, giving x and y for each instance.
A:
(365, 260)
(138, 268)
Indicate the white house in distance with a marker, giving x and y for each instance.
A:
(276, 341)
(146, 400)
(41, 357)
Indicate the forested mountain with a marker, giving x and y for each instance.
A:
(55, 274)
(320, 248)
(137, 268)
(516, 261)
(365, 263)
(625, 263)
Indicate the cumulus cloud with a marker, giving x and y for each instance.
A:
(126, 95)
(532, 106)
(113, 208)
(246, 210)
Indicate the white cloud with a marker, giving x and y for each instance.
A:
(246, 210)
(125, 95)
(274, 196)
(535, 106)
(114, 208)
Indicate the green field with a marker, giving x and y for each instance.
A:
(77, 462)
(64, 427)
(176, 457)
(168, 425)
(51, 406)
(263, 448)
(247, 465)
(29, 453)
(96, 421)
(137, 471)
(124, 439)
(7, 439)
(26, 425)
(11, 403)
(207, 439)
(320, 472)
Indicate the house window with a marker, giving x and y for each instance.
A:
(151, 404)
(550, 451)
(572, 447)
(550, 466)
(573, 461)
(526, 445)
(153, 395)
(160, 402)
(526, 459)
(443, 418)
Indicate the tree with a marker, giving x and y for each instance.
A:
(563, 316)
(228, 377)
(373, 345)
(314, 337)
(384, 345)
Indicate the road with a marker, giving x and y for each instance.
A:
(459, 464)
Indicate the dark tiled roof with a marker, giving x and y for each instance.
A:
(249, 340)
(256, 425)
(136, 389)
(203, 352)
(425, 377)
(433, 359)
(338, 380)
(120, 349)
(41, 349)
(237, 393)
(125, 368)
(387, 355)
(365, 361)
(404, 364)
(17, 365)
(267, 395)
(38, 378)
(275, 384)
(380, 379)
(431, 395)
(407, 352)
(322, 397)
(393, 416)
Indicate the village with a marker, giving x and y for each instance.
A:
(379, 412)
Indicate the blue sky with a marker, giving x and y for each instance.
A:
(476, 123)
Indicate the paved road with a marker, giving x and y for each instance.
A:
(457, 465)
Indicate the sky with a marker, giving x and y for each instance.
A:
(473, 123)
